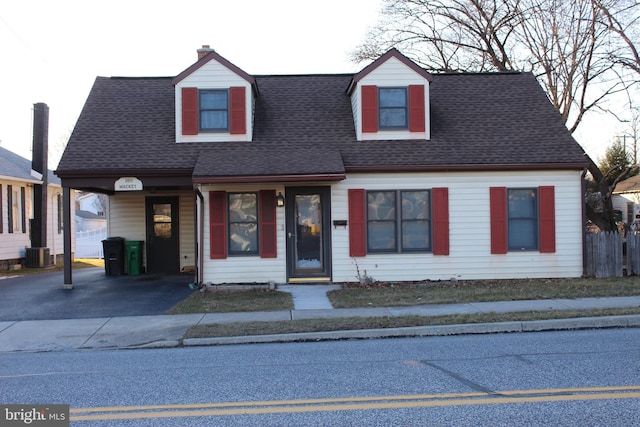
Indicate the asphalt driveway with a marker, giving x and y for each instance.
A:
(41, 296)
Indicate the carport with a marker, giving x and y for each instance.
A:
(157, 191)
(95, 295)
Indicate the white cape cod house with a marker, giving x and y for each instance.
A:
(394, 171)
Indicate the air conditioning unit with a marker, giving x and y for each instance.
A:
(37, 257)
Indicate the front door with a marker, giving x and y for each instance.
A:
(308, 233)
(162, 235)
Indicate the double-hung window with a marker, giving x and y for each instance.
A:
(393, 108)
(214, 110)
(399, 221)
(243, 223)
(522, 217)
(16, 209)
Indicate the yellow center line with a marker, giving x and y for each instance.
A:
(353, 403)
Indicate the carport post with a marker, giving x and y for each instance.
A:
(66, 226)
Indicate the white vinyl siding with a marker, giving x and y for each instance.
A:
(469, 233)
(392, 73)
(213, 75)
(127, 219)
(12, 245)
(469, 230)
(250, 268)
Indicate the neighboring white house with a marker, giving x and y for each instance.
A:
(91, 224)
(391, 172)
(626, 200)
(17, 209)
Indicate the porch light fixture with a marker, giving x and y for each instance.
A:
(279, 200)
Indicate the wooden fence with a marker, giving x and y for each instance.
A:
(608, 254)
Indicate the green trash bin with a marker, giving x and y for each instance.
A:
(133, 255)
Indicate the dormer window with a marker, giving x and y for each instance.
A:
(214, 110)
(393, 108)
(390, 100)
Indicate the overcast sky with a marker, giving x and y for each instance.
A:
(52, 51)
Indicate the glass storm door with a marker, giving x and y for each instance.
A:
(162, 235)
(308, 233)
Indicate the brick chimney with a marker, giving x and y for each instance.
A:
(204, 51)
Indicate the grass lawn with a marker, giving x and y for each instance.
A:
(354, 323)
(228, 301)
(408, 294)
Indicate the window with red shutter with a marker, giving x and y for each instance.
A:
(522, 219)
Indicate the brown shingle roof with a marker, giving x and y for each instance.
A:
(304, 125)
(629, 185)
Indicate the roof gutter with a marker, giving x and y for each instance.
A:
(468, 167)
(267, 178)
(109, 173)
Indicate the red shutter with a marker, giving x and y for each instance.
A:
(267, 215)
(369, 109)
(357, 223)
(237, 106)
(218, 224)
(440, 202)
(498, 202)
(189, 111)
(416, 108)
(547, 219)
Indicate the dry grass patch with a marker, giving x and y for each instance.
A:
(233, 301)
(354, 323)
(451, 292)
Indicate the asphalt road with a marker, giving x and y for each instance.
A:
(578, 378)
(94, 295)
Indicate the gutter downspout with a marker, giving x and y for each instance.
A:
(199, 235)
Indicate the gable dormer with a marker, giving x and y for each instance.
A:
(214, 101)
(390, 99)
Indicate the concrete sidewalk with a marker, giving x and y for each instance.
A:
(169, 330)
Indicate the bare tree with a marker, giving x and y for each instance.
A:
(565, 44)
(446, 35)
(622, 19)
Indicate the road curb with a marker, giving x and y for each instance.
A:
(628, 321)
